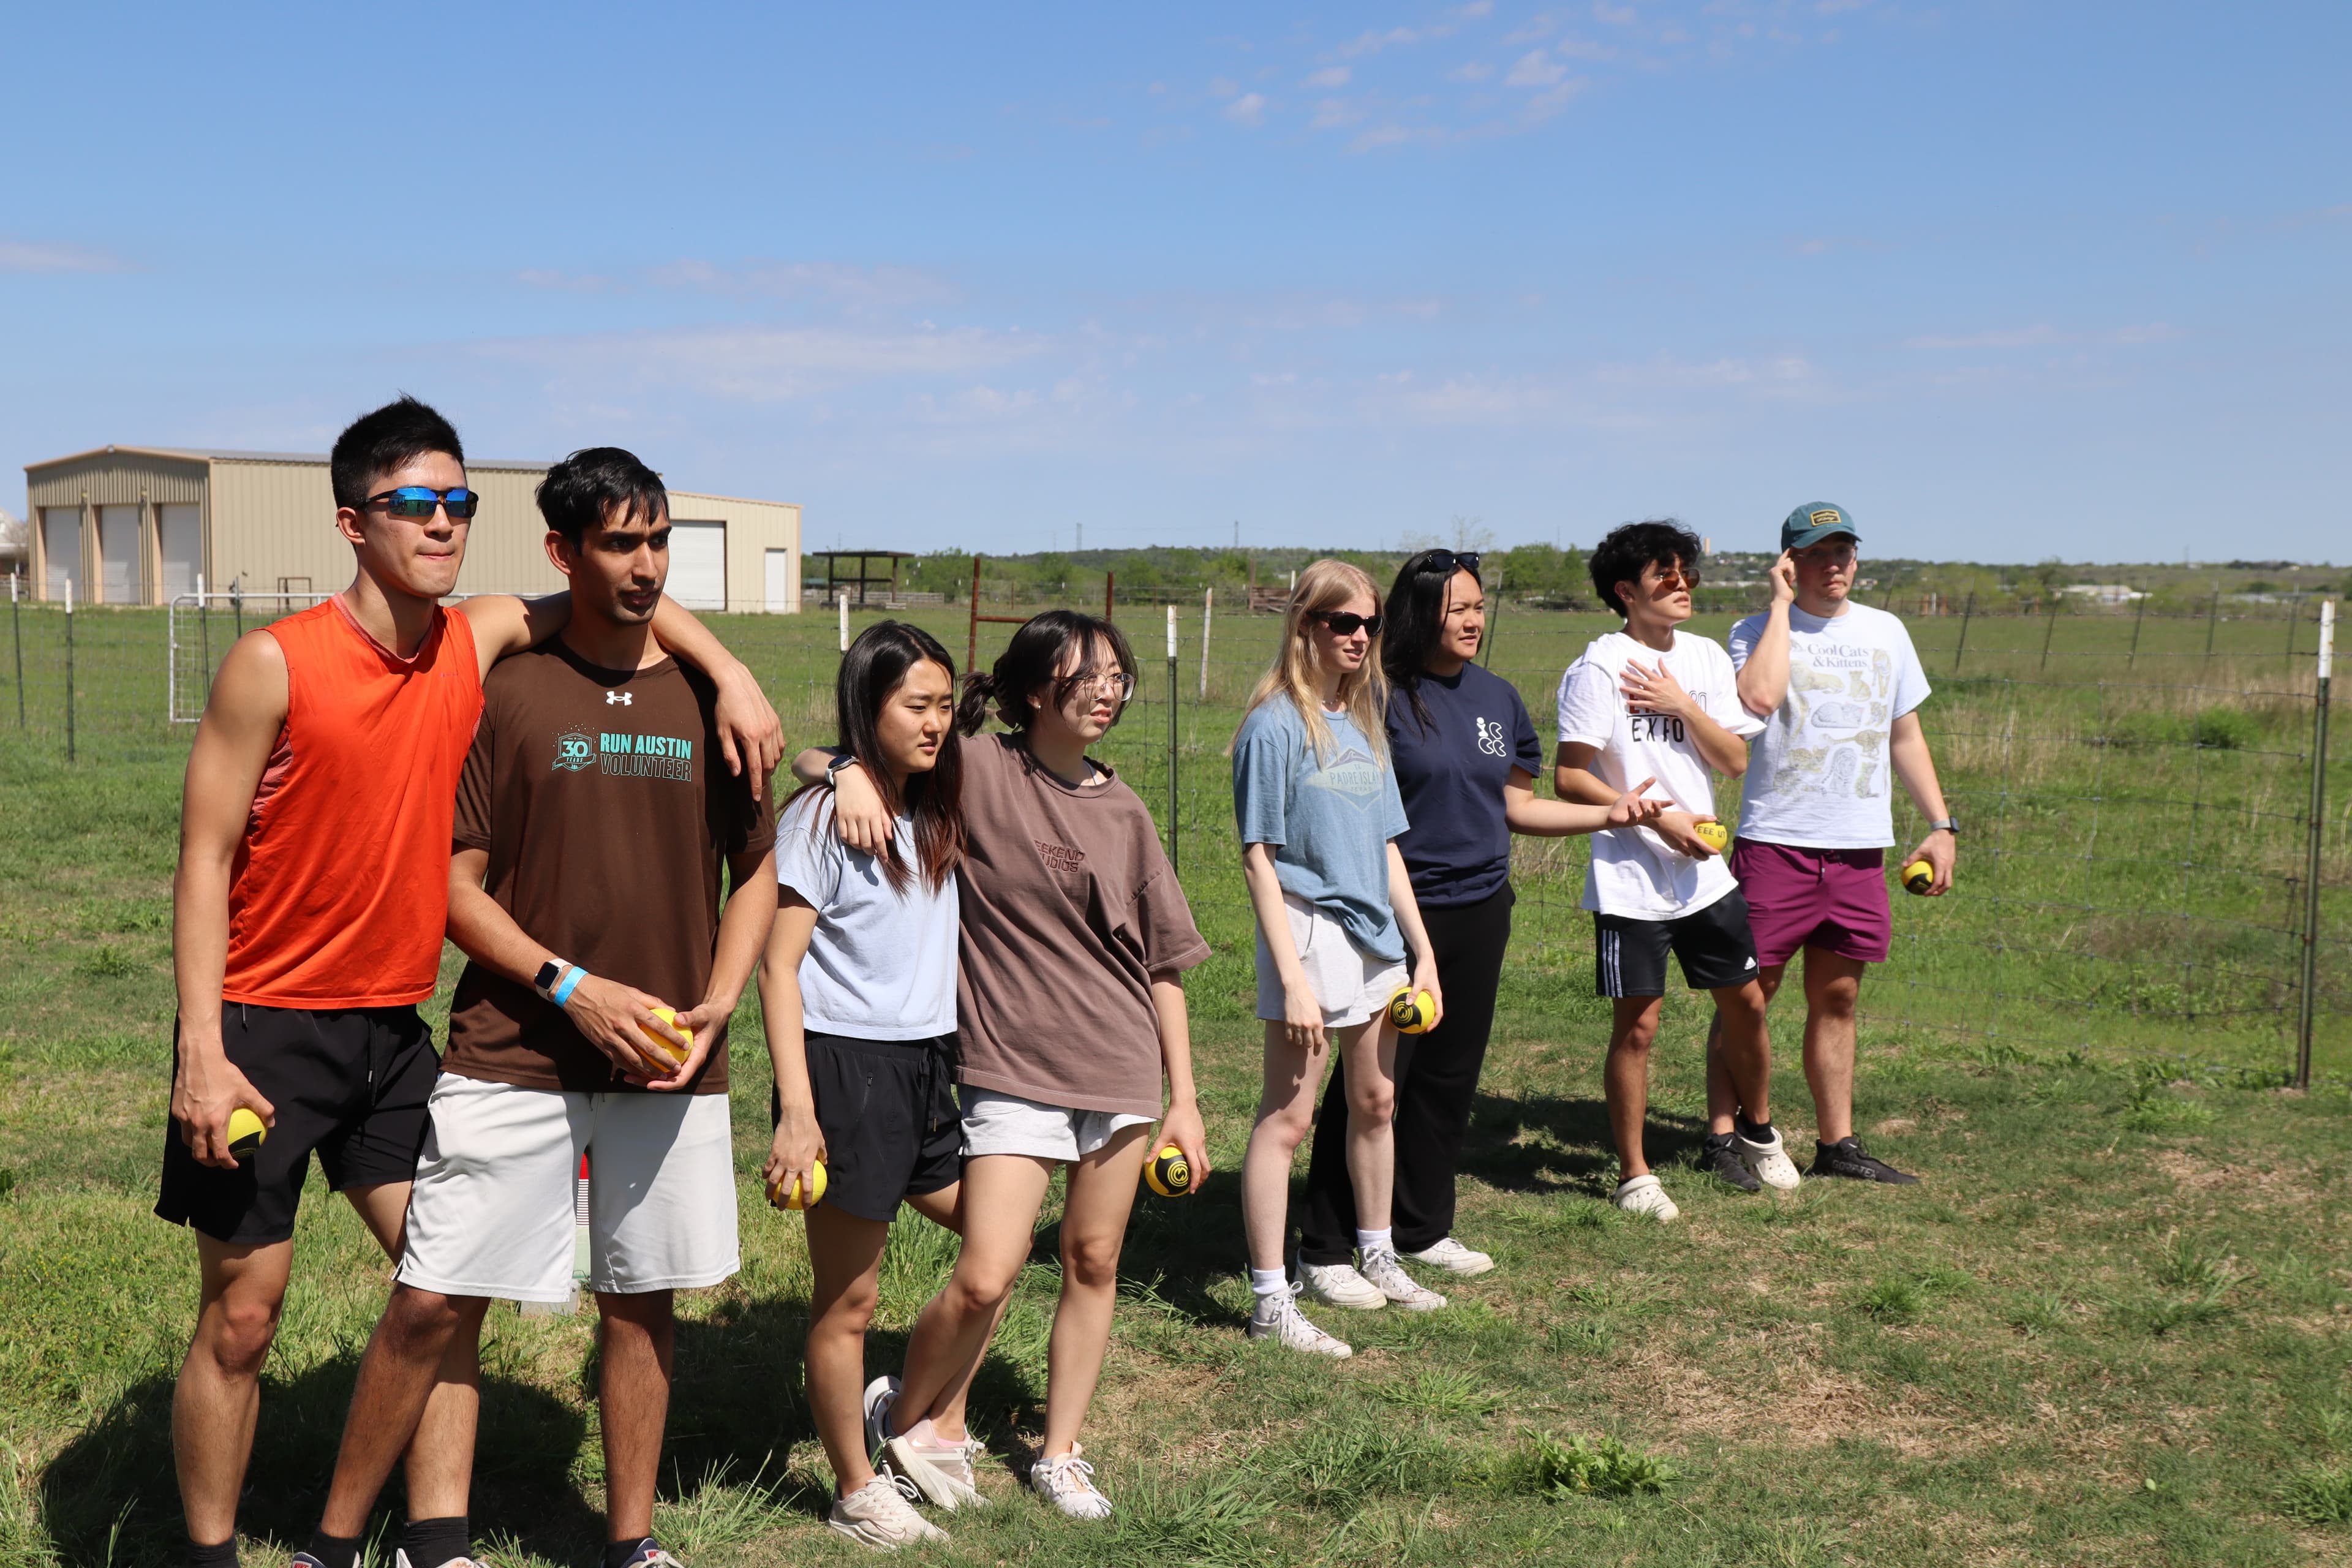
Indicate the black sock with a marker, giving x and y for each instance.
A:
(430, 1542)
(336, 1550)
(221, 1556)
(1753, 1132)
(1719, 1140)
(618, 1552)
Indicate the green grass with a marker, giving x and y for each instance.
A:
(2103, 1331)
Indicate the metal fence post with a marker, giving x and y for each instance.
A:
(2212, 619)
(2316, 832)
(2048, 625)
(1208, 608)
(70, 671)
(2139, 614)
(1967, 611)
(1174, 819)
(16, 635)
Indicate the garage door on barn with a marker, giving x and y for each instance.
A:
(697, 564)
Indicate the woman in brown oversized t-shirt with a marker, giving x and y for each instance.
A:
(1070, 1010)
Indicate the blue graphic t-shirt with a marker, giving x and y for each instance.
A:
(1451, 779)
(1330, 820)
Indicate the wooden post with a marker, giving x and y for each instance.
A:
(971, 636)
(1208, 608)
(1110, 592)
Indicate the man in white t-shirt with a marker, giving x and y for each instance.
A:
(1839, 686)
(1653, 706)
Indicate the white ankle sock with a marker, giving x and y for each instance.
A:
(1268, 1281)
(1375, 1240)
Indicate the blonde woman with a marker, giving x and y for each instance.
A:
(1319, 814)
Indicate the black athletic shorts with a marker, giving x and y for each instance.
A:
(349, 1083)
(1629, 956)
(887, 1111)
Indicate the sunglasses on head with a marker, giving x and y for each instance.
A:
(1449, 561)
(418, 502)
(1345, 624)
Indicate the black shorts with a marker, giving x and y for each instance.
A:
(349, 1083)
(887, 1111)
(1716, 950)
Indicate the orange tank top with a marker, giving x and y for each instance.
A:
(339, 893)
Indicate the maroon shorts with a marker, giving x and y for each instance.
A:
(1832, 899)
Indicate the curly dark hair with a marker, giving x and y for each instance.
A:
(1619, 558)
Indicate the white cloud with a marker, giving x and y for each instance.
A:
(1615, 16)
(1330, 113)
(1223, 87)
(1473, 71)
(1372, 43)
(1330, 76)
(1535, 69)
(1248, 110)
(765, 364)
(37, 255)
(2042, 334)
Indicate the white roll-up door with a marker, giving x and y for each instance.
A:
(61, 547)
(183, 531)
(781, 598)
(697, 564)
(118, 554)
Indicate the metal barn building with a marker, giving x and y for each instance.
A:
(140, 525)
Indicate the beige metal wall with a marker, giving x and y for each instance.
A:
(142, 479)
(273, 520)
(753, 527)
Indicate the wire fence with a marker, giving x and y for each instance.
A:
(2151, 863)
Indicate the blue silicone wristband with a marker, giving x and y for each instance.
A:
(566, 986)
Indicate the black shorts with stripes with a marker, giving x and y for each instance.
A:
(1629, 955)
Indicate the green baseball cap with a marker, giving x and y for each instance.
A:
(1814, 521)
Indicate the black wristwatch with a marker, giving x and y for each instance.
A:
(841, 761)
(1950, 825)
(549, 973)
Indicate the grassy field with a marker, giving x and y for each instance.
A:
(2110, 1328)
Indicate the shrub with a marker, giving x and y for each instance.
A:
(2320, 1495)
(1602, 1468)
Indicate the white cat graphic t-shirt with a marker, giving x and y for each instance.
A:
(1820, 776)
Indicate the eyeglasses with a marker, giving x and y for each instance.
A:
(1118, 682)
(417, 502)
(1448, 562)
(1686, 576)
(1344, 625)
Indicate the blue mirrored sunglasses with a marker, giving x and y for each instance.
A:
(417, 502)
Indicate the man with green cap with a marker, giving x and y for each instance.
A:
(1839, 686)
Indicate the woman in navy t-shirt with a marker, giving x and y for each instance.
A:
(1466, 757)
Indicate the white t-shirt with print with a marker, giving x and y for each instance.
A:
(1635, 872)
(1821, 776)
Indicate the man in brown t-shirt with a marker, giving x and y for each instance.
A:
(593, 833)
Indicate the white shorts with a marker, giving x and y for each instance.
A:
(1351, 984)
(999, 1123)
(492, 1210)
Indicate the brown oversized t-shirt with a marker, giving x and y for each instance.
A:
(609, 815)
(1069, 909)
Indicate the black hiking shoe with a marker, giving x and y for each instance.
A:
(1846, 1158)
(1722, 1161)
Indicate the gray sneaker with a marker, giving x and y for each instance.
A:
(1388, 1276)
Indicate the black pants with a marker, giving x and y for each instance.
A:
(1437, 1077)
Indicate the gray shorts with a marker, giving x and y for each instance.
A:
(998, 1124)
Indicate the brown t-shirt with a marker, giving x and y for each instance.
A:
(609, 815)
(1069, 909)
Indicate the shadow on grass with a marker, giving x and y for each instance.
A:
(1546, 1144)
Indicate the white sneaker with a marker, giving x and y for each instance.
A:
(1453, 1257)
(1277, 1318)
(941, 1469)
(1771, 1161)
(1069, 1483)
(401, 1560)
(1382, 1267)
(1339, 1285)
(880, 1395)
(881, 1513)
(1646, 1195)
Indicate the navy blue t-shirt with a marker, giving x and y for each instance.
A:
(1458, 848)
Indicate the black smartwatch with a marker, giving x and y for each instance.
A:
(843, 759)
(1950, 825)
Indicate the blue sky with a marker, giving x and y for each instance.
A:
(2007, 280)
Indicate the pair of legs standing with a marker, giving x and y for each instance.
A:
(1832, 986)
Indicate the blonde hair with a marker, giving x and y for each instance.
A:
(1323, 588)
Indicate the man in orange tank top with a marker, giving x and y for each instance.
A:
(308, 915)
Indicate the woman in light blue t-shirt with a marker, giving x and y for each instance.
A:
(1316, 802)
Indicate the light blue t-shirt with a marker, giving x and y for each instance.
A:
(881, 964)
(1329, 823)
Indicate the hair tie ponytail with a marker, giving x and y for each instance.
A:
(972, 711)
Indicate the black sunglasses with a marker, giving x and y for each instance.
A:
(417, 502)
(1344, 625)
(1449, 561)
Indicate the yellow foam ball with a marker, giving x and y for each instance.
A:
(1918, 877)
(1169, 1174)
(1412, 1011)
(246, 1131)
(1714, 834)
(662, 1049)
(797, 1199)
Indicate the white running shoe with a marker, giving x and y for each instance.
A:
(1382, 1267)
(881, 1513)
(1771, 1161)
(1646, 1195)
(880, 1395)
(941, 1469)
(401, 1560)
(1069, 1483)
(1453, 1257)
(1339, 1285)
(1277, 1318)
